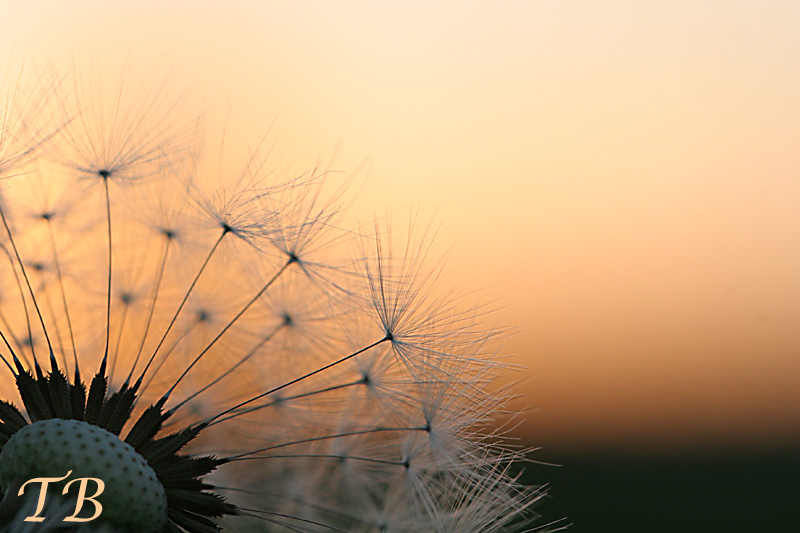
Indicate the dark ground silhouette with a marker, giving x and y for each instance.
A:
(731, 493)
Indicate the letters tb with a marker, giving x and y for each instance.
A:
(81, 496)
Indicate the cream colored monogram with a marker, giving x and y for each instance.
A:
(45, 481)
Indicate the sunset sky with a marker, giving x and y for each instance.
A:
(622, 177)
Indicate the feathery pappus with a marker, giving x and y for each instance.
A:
(220, 350)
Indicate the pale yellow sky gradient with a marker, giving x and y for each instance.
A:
(624, 176)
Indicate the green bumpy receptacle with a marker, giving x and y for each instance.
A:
(133, 498)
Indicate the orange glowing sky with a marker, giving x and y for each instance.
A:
(623, 176)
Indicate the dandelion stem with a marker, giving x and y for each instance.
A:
(10, 349)
(255, 512)
(240, 362)
(24, 308)
(60, 278)
(295, 397)
(28, 283)
(325, 456)
(7, 327)
(186, 333)
(297, 380)
(49, 308)
(335, 512)
(328, 437)
(225, 231)
(115, 354)
(247, 306)
(105, 175)
(310, 393)
(156, 287)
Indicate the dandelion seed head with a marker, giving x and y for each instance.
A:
(273, 368)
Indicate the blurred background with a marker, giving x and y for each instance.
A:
(623, 177)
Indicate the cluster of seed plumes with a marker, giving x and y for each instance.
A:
(220, 349)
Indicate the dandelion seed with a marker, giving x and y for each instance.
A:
(221, 353)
